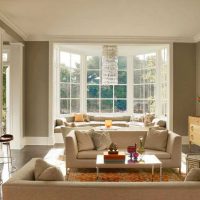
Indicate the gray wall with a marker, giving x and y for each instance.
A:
(198, 77)
(36, 75)
(184, 93)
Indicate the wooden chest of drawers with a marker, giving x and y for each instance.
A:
(194, 130)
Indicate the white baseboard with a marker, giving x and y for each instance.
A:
(185, 140)
(38, 141)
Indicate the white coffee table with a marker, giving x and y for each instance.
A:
(150, 161)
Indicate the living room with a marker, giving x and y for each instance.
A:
(56, 80)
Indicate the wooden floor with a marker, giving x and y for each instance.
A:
(21, 157)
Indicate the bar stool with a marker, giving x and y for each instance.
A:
(5, 140)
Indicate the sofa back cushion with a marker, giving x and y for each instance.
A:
(123, 139)
(156, 139)
(84, 140)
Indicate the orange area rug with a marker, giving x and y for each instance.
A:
(124, 175)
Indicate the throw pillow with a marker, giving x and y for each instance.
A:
(148, 118)
(84, 140)
(78, 117)
(101, 140)
(46, 172)
(156, 139)
(86, 118)
(60, 122)
(193, 175)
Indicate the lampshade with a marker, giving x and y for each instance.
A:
(109, 65)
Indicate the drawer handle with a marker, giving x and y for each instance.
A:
(192, 128)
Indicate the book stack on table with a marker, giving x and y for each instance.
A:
(114, 158)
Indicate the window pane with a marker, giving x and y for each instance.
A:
(107, 91)
(120, 91)
(92, 91)
(106, 106)
(149, 106)
(93, 77)
(64, 106)
(64, 74)
(65, 58)
(120, 105)
(64, 90)
(151, 60)
(92, 62)
(138, 77)
(138, 106)
(122, 77)
(138, 91)
(75, 75)
(149, 75)
(149, 91)
(139, 62)
(163, 90)
(75, 61)
(93, 105)
(75, 105)
(75, 90)
(5, 57)
(122, 63)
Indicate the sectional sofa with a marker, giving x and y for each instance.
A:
(22, 186)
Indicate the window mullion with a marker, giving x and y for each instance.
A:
(129, 97)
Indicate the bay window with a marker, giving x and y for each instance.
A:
(142, 82)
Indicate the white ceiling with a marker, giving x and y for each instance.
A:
(40, 19)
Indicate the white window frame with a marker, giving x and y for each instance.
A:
(83, 93)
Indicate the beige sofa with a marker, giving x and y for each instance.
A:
(22, 186)
(123, 138)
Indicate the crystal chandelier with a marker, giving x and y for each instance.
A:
(109, 65)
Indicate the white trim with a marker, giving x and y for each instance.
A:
(170, 88)
(16, 94)
(51, 102)
(19, 31)
(110, 39)
(185, 140)
(38, 141)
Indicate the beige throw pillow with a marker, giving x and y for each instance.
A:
(156, 139)
(46, 172)
(101, 140)
(84, 139)
(193, 175)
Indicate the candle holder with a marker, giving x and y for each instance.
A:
(108, 123)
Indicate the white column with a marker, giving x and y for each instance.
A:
(16, 94)
(1, 77)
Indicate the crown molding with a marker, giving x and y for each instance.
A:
(19, 31)
(108, 39)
